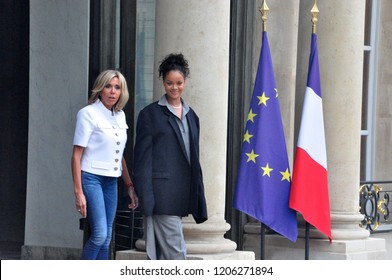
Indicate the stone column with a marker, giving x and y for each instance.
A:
(280, 33)
(59, 51)
(200, 30)
(340, 30)
(383, 118)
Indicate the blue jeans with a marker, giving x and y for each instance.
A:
(101, 196)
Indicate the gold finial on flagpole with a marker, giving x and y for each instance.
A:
(314, 11)
(264, 10)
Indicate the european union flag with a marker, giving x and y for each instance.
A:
(264, 179)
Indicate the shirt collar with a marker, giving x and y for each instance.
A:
(163, 102)
(103, 109)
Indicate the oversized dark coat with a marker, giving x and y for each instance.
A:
(165, 182)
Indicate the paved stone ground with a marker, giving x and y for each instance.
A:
(388, 242)
(12, 250)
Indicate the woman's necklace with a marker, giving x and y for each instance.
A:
(177, 109)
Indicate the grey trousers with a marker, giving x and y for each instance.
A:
(164, 238)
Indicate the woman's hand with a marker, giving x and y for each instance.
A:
(134, 199)
(80, 202)
(80, 199)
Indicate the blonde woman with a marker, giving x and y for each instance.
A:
(97, 160)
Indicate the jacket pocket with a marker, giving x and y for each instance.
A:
(122, 125)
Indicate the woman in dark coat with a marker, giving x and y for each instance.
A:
(167, 172)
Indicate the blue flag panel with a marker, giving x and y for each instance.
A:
(264, 179)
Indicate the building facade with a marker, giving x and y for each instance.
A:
(71, 41)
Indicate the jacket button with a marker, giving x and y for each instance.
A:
(118, 143)
(117, 151)
(116, 160)
(115, 169)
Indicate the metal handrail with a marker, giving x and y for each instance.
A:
(374, 203)
(128, 228)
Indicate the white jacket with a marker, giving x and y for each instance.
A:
(103, 134)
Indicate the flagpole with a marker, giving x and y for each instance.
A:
(314, 12)
(263, 10)
(262, 242)
(262, 192)
(307, 241)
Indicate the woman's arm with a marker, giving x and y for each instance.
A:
(80, 199)
(128, 183)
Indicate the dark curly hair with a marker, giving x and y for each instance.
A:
(176, 62)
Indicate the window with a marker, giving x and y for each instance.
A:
(369, 90)
(145, 42)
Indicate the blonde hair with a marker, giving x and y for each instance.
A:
(102, 80)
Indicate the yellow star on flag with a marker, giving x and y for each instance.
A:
(285, 175)
(247, 136)
(267, 170)
(251, 116)
(252, 156)
(263, 99)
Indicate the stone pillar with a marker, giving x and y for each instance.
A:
(340, 30)
(285, 62)
(59, 51)
(341, 68)
(200, 30)
(383, 118)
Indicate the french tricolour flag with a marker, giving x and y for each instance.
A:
(309, 187)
